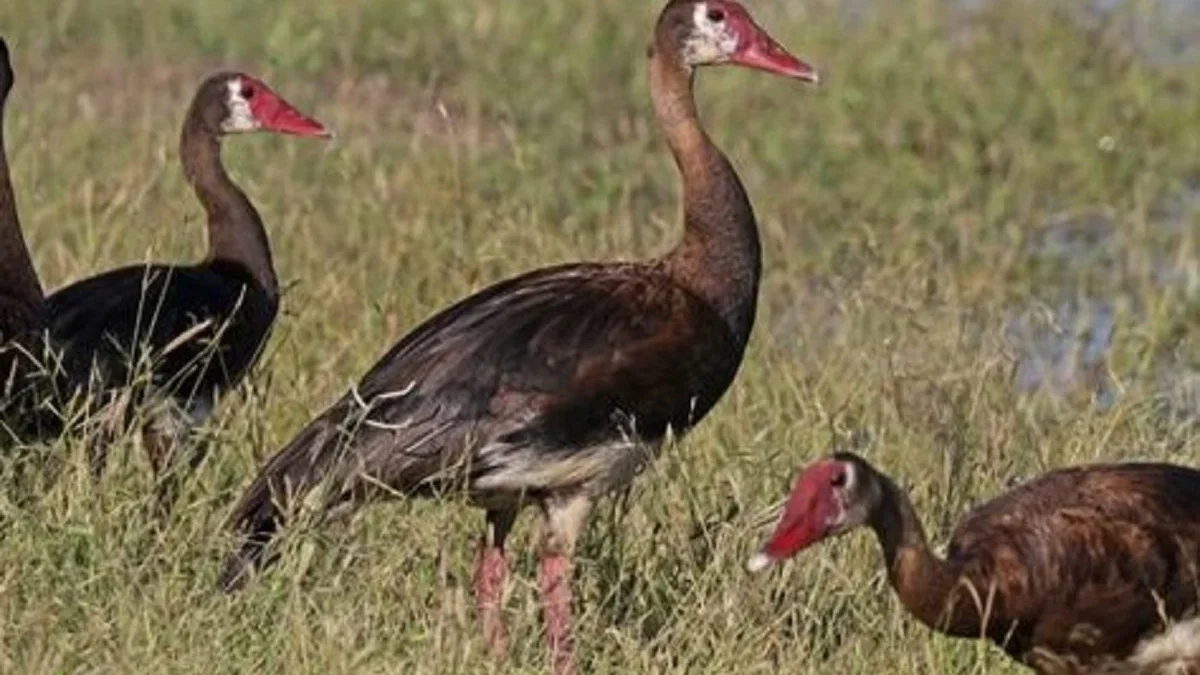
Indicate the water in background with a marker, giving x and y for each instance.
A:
(1062, 346)
(1165, 30)
(1062, 341)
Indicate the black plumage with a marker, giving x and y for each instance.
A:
(174, 337)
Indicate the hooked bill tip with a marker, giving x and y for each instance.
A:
(758, 562)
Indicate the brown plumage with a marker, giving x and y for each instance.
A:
(552, 388)
(198, 329)
(1090, 569)
(22, 304)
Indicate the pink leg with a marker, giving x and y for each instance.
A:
(564, 518)
(491, 575)
(554, 579)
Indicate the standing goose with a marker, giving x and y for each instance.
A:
(555, 386)
(22, 303)
(1091, 569)
(197, 329)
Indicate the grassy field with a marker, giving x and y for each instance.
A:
(973, 205)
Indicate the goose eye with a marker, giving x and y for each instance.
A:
(838, 480)
(716, 15)
(247, 92)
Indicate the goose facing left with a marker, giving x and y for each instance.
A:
(1085, 570)
(196, 330)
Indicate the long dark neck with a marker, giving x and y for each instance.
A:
(235, 231)
(18, 280)
(927, 586)
(719, 258)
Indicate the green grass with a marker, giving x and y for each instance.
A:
(901, 204)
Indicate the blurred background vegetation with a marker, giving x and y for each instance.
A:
(981, 263)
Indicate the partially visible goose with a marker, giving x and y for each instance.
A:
(22, 303)
(1084, 570)
(197, 329)
(556, 386)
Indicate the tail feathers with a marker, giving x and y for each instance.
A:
(284, 482)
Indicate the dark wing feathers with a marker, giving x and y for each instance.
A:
(1087, 558)
(212, 321)
(554, 360)
(577, 342)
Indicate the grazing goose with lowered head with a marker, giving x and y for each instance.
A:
(1084, 570)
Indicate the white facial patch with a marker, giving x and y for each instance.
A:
(240, 118)
(851, 476)
(710, 41)
(842, 497)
